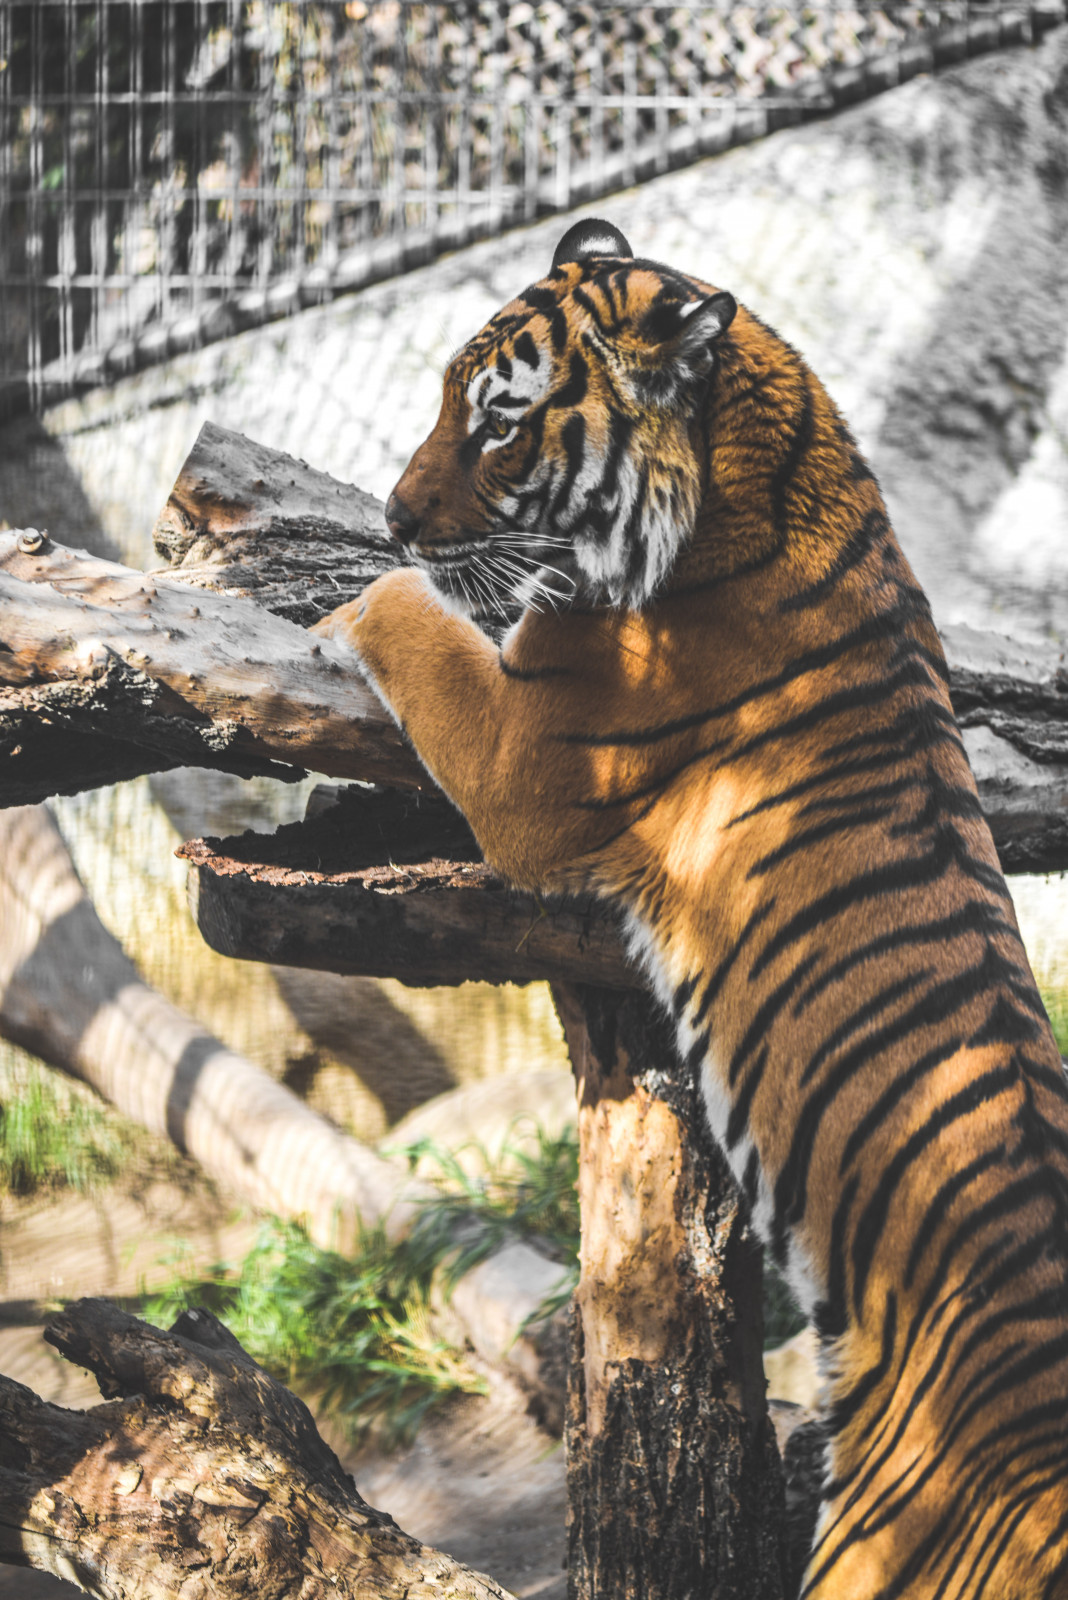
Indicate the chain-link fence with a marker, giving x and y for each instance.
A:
(173, 170)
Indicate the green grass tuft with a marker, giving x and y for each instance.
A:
(356, 1332)
(53, 1135)
(524, 1193)
(1056, 1004)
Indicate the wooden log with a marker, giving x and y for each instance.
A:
(201, 1476)
(254, 522)
(70, 994)
(190, 677)
(105, 672)
(391, 884)
(674, 1485)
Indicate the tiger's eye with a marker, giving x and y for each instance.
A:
(499, 424)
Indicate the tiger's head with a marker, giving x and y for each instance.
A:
(566, 465)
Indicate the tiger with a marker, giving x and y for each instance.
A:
(718, 701)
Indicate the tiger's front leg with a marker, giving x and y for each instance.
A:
(490, 740)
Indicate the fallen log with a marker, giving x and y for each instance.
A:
(71, 995)
(199, 1476)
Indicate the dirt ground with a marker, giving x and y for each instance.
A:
(481, 1480)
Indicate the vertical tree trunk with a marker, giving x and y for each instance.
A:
(675, 1488)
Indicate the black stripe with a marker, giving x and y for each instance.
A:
(939, 1205)
(531, 674)
(880, 1452)
(795, 453)
(526, 350)
(832, 828)
(987, 1087)
(719, 973)
(656, 785)
(832, 1314)
(573, 440)
(865, 696)
(875, 629)
(975, 916)
(766, 1013)
(738, 1120)
(844, 1408)
(858, 767)
(947, 850)
(683, 995)
(934, 1008)
(863, 1015)
(856, 550)
(900, 1085)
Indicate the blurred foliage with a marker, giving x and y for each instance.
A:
(354, 1332)
(782, 1319)
(54, 1135)
(1056, 1003)
(525, 1192)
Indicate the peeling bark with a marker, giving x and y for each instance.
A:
(388, 884)
(200, 1476)
(674, 1483)
(254, 522)
(186, 677)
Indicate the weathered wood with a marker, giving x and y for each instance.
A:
(110, 672)
(212, 678)
(255, 522)
(674, 1485)
(201, 1476)
(392, 885)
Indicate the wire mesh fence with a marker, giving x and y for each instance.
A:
(173, 170)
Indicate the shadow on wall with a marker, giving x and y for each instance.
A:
(972, 444)
(356, 1023)
(40, 489)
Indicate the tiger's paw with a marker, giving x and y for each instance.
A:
(383, 604)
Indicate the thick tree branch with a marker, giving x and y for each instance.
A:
(105, 672)
(190, 677)
(389, 884)
(200, 1476)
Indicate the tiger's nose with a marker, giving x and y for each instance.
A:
(402, 523)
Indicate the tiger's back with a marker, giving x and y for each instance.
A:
(733, 720)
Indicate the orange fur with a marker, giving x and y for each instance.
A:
(740, 731)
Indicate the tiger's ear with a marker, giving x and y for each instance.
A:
(702, 323)
(679, 340)
(590, 237)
